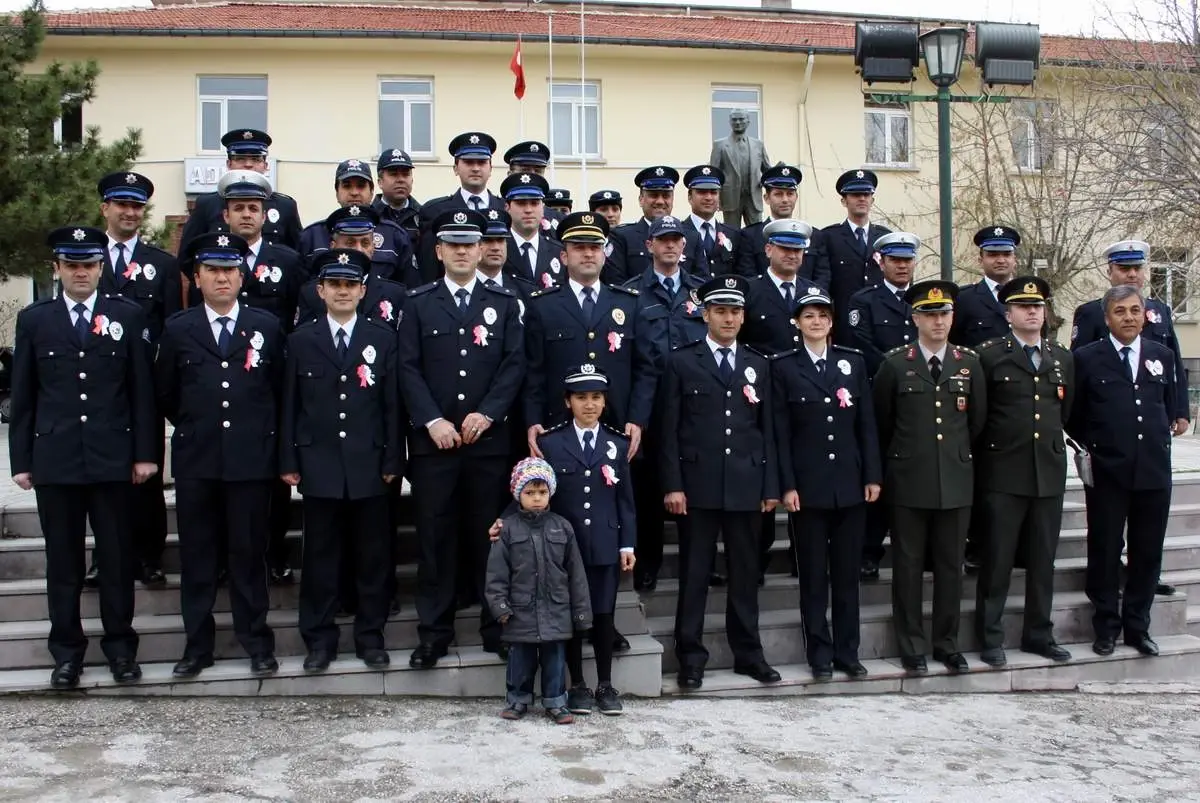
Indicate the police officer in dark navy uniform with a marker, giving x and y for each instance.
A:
(719, 474)
(533, 157)
(218, 375)
(559, 201)
(394, 202)
(607, 204)
(392, 257)
(355, 227)
(880, 319)
(246, 149)
(656, 195)
(712, 245)
(462, 361)
(83, 432)
(978, 314)
(148, 275)
(779, 185)
(340, 444)
(494, 266)
(830, 471)
(532, 253)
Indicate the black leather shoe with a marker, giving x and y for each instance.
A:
(426, 656)
(282, 575)
(822, 672)
(125, 670)
(869, 570)
(317, 660)
(956, 662)
(647, 582)
(153, 577)
(970, 566)
(66, 675)
(759, 670)
(1104, 645)
(620, 643)
(92, 578)
(914, 664)
(854, 669)
(1142, 643)
(189, 666)
(1048, 650)
(375, 659)
(994, 656)
(263, 664)
(717, 580)
(690, 679)
(1164, 590)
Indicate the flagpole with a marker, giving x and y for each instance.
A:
(582, 107)
(550, 105)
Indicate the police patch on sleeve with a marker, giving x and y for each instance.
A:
(854, 317)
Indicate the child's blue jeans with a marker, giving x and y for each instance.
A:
(523, 663)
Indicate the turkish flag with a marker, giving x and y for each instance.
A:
(518, 70)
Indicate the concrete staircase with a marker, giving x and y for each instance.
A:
(648, 669)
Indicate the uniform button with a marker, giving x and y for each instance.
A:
(830, 437)
(435, 331)
(83, 397)
(591, 335)
(587, 505)
(462, 373)
(1135, 387)
(341, 434)
(832, 456)
(1036, 397)
(591, 355)
(727, 451)
(341, 416)
(728, 412)
(342, 377)
(83, 376)
(795, 338)
(905, 338)
(1137, 401)
(224, 404)
(461, 397)
(829, 419)
(1037, 416)
(1139, 418)
(937, 420)
(225, 424)
(587, 522)
(587, 489)
(587, 473)
(224, 384)
(224, 365)
(1037, 435)
(827, 400)
(462, 331)
(939, 436)
(728, 393)
(729, 432)
(81, 354)
(1139, 436)
(343, 397)
(84, 419)
(1035, 379)
(462, 353)
(937, 404)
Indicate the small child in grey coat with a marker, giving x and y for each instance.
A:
(537, 588)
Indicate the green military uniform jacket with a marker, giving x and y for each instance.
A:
(926, 428)
(1021, 451)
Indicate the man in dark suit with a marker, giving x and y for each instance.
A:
(532, 254)
(779, 186)
(710, 245)
(83, 432)
(843, 253)
(656, 196)
(1022, 470)
(719, 475)
(149, 276)
(494, 265)
(218, 375)
(1122, 415)
(462, 360)
(340, 445)
(246, 149)
(395, 202)
(930, 406)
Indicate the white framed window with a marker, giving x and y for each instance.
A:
(1164, 147)
(575, 119)
(227, 102)
(406, 115)
(1032, 134)
(726, 99)
(1171, 279)
(68, 128)
(888, 135)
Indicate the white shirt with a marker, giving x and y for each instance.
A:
(484, 196)
(498, 279)
(674, 277)
(893, 288)
(577, 289)
(812, 355)
(533, 248)
(866, 227)
(89, 302)
(779, 284)
(129, 244)
(929, 355)
(700, 223)
(595, 435)
(454, 287)
(1135, 353)
(714, 345)
(993, 286)
(252, 257)
(216, 327)
(334, 326)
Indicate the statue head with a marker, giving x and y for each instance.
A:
(739, 121)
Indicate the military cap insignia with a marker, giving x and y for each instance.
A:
(859, 174)
(396, 154)
(787, 171)
(706, 170)
(558, 194)
(587, 368)
(247, 135)
(343, 259)
(658, 171)
(999, 232)
(473, 139)
(533, 147)
(935, 294)
(355, 211)
(731, 283)
(668, 219)
(814, 291)
(460, 217)
(524, 178)
(587, 220)
(130, 178)
(1030, 287)
(353, 163)
(223, 241)
(607, 194)
(78, 234)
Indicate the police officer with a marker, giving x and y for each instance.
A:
(719, 475)
(530, 156)
(462, 361)
(779, 186)
(83, 432)
(532, 253)
(656, 196)
(395, 202)
(978, 313)
(711, 245)
(880, 319)
(930, 405)
(607, 204)
(843, 252)
(559, 200)
(218, 374)
(149, 276)
(494, 265)
(829, 464)
(1022, 470)
(340, 444)
(472, 152)
(392, 257)
(1124, 408)
(354, 227)
(246, 149)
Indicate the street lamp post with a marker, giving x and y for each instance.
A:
(943, 51)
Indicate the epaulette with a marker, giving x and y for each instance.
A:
(313, 225)
(847, 348)
(120, 299)
(556, 427)
(633, 291)
(43, 300)
(987, 344)
(687, 345)
(1057, 345)
(283, 195)
(305, 323)
(425, 288)
(896, 350)
(694, 280)
(153, 247)
(382, 324)
(545, 290)
(783, 354)
(966, 350)
(611, 430)
(499, 289)
(179, 314)
(755, 351)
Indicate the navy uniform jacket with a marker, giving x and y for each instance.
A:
(452, 365)
(718, 441)
(596, 497)
(272, 285)
(825, 427)
(224, 406)
(523, 288)
(282, 226)
(81, 414)
(879, 322)
(674, 321)
(619, 342)
(549, 264)
(152, 280)
(629, 255)
(1089, 326)
(393, 257)
(428, 265)
(978, 316)
(751, 257)
(724, 251)
(341, 422)
(1125, 425)
(383, 302)
(408, 218)
(769, 327)
(836, 254)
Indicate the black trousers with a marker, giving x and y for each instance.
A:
(1006, 519)
(942, 533)
(1113, 511)
(279, 519)
(829, 549)
(699, 531)
(768, 529)
(875, 530)
(336, 530)
(235, 514)
(651, 514)
(63, 511)
(454, 494)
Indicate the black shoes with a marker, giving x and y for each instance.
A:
(125, 670)
(914, 664)
(822, 672)
(869, 570)
(1164, 590)
(426, 656)
(690, 679)
(189, 666)
(759, 670)
(1104, 645)
(318, 660)
(956, 662)
(92, 578)
(153, 577)
(1048, 650)
(717, 580)
(854, 669)
(1142, 643)
(282, 575)
(66, 675)
(994, 657)
(620, 643)
(579, 699)
(646, 582)
(375, 659)
(608, 700)
(263, 664)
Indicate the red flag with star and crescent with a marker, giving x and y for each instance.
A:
(518, 70)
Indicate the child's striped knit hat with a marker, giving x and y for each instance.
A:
(532, 468)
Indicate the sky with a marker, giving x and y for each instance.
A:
(1088, 17)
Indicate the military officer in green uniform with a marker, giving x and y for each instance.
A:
(930, 406)
(1022, 475)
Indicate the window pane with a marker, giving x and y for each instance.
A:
(728, 95)
(246, 114)
(560, 129)
(391, 124)
(233, 85)
(720, 123)
(420, 127)
(591, 91)
(591, 130)
(406, 87)
(565, 92)
(210, 126)
(1020, 143)
(71, 127)
(899, 130)
(876, 138)
(753, 128)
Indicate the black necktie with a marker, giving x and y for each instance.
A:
(787, 294)
(589, 305)
(708, 240)
(476, 202)
(669, 284)
(224, 337)
(527, 253)
(935, 368)
(490, 283)
(900, 296)
(342, 344)
(589, 450)
(821, 367)
(81, 322)
(725, 366)
(860, 234)
(1125, 352)
(463, 296)
(1032, 353)
(120, 266)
